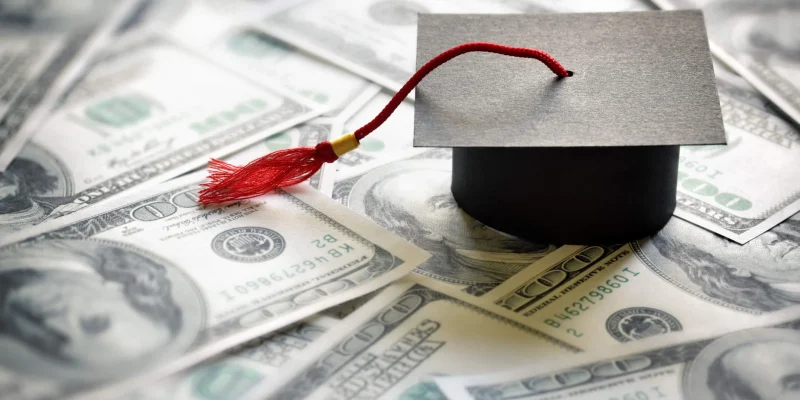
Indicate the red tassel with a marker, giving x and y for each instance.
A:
(281, 168)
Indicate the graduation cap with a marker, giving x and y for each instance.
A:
(585, 155)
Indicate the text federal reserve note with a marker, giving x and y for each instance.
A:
(149, 112)
(742, 189)
(393, 347)
(758, 363)
(757, 39)
(411, 197)
(143, 288)
(45, 46)
(235, 373)
(376, 39)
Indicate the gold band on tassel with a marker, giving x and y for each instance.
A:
(344, 144)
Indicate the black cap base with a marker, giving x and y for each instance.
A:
(568, 195)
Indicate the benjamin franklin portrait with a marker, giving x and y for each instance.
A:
(412, 198)
(760, 276)
(755, 364)
(87, 310)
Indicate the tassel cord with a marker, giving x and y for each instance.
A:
(228, 183)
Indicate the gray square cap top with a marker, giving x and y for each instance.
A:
(641, 79)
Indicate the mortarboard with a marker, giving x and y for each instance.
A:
(589, 157)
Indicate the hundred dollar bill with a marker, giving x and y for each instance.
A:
(373, 38)
(684, 278)
(235, 373)
(757, 363)
(396, 135)
(747, 187)
(148, 112)
(45, 46)
(393, 347)
(111, 300)
(411, 197)
(758, 40)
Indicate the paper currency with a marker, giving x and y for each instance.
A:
(397, 343)
(757, 363)
(46, 45)
(411, 197)
(745, 188)
(267, 59)
(237, 372)
(759, 41)
(373, 38)
(147, 287)
(151, 111)
(679, 280)
(394, 136)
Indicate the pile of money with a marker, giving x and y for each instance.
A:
(367, 281)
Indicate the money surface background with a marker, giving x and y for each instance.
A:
(688, 281)
(75, 291)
